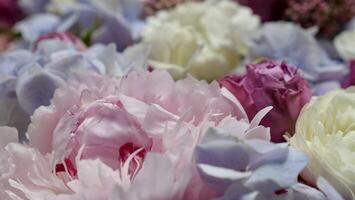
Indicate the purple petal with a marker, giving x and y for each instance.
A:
(36, 88)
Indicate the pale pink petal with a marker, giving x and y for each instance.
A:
(134, 106)
(157, 119)
(258, 132)
(27, 173)
(259, 116)
(157, 180)
(45, 119)
(95, 180)
(8, 135)
(230, 96)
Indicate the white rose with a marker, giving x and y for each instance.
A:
(345, 44)
(325, 131)
(205, 39)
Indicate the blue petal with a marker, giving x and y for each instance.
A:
(11, 63)
(36, 88)
(226, 154)
(289, 42)
(34, 26)
(277, 175)
(115, 30)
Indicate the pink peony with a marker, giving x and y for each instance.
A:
(131, 138)
(271, 83)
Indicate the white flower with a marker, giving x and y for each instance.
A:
(206, 39)
(345, 44)
(325, 131)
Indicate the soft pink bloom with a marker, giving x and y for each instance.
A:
(131, 138)
(7, 135)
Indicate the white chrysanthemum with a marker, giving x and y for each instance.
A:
(206, 39)
(325, 131)
(345, 44)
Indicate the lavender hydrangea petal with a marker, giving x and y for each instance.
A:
(7, 86)
(33, 6)
(328, 189)
(223, 154)
(12, 62)
(113, 30)
(134, 57)
(289, 42)
(279, 174)
(302, 191)
(36, 88)
(106, 21)
(250, 168)
(36, 25)
(12, 115)
(66, 62)
(132, 9)
(324, 87)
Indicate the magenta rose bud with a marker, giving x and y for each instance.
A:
(65, 37)
(350, 78)
(270, 10)
(10, 13)
(271, 83)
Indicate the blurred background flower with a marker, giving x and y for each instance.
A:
(330, 16)
(350, 78)
(31, 7)
(325, 132)
(10, 13)
(205, 39)
(5, 40)
(153, 6)
(288, 42)
(270, 10)
(102, 21)
(344, 43)
(117, 21)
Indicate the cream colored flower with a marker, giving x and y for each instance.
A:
(206, 39)
(325, 131)
(345, 44)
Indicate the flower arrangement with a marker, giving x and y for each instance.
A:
(177, 100)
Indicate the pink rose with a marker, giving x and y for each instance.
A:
(271, 83)
(131, 138)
